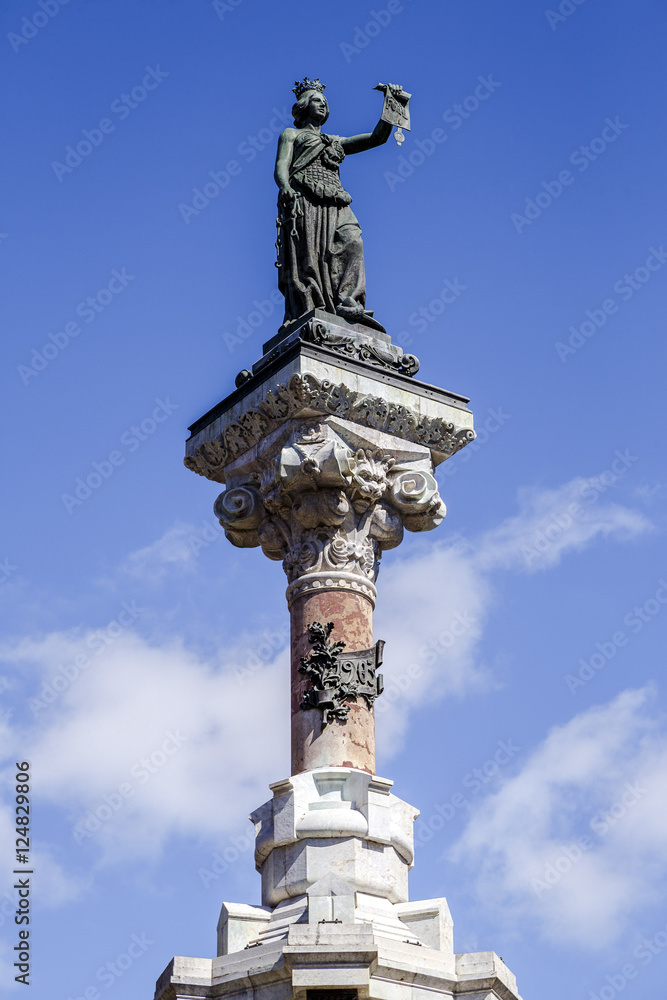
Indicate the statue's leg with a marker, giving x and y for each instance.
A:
(305, 279)
(346, 263)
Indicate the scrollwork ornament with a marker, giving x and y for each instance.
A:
(415, 494)
(414, 491)
(336, 678)
(240, 511)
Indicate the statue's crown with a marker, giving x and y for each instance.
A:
(302, 85)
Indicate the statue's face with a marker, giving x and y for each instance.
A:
(317, 107)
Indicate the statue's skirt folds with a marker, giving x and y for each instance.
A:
(322, 266)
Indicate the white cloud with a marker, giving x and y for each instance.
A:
(552, 522)
(105, 717)
(172, 551)
(176, 550)
(107, 728)
(433, 606)
(431, 613)
(577, 840)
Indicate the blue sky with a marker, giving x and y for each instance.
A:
(540, 200)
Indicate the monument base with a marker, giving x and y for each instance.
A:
(334, 846)
(327, 449)
(344, 961)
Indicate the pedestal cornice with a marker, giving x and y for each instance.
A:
(432, 420)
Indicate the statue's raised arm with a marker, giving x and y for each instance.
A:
(320, 252)
(357, 143)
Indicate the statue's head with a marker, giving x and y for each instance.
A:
(310, 103)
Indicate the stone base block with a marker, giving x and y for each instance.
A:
(239, 924)
(334, 821)
(331, 832)
(308, 380)
(334, 957)
(332, 901)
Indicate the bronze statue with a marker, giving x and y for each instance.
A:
(320, 252)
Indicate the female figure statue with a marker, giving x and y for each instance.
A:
(320, 253)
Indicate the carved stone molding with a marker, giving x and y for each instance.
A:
(336, 677)
(361, 346)
(312, 395)
(328, 510)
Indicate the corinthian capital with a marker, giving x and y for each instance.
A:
(327, 501)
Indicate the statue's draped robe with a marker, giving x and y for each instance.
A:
(322, 266)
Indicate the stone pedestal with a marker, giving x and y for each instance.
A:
(334, 846)
(327, 451)
(341, 961)
(334, 822)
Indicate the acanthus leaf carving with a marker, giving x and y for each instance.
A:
(306, 392)
(327, 510)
